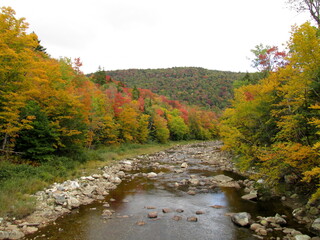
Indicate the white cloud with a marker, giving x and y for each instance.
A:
(120, 34)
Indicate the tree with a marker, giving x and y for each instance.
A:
(313, 6)
(268, 59)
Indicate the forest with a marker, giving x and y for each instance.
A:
(210, 89)
(273, 126)
(52, 115)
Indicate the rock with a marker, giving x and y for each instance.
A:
(192, 219)
(260, 181)
(222, 178)
(152, 175)
(4, 235)
(199, 212)
(121, 174)
(127, 162)
(15, 234)
(29, 230)
(179, 210)
(166, 210)
(106, 205)
(255, 226)
(242, 219)
(106, 214)
(60, 198)
(314, 211)
(298, 212)
(194, 182)
(96, 176)
(115, 180)
(191, 192)
(88, 190)
(152, 214)
(280, 220)
(261, 231)
(315, 227)
(72, 202)
(177, 218)
(140, 223)
(150, 207)
(250, 196)
(217, 206)
(301, 237)
(184, 165)
(106, 176)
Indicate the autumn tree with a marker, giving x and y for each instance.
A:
(313, 6)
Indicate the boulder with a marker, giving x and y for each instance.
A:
(15, 234)
(4, 235)
(250, 196)
(315, 227)
(301, 237)
(242, 219)
(222, 178)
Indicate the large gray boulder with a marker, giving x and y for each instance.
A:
(241, 219)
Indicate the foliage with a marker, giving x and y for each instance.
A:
(210, 89)
(49, 108)
(274, 124)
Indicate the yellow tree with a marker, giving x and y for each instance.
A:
(16, 57)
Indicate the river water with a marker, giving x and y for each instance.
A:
(135, 198)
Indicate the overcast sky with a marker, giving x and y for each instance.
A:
(123, 34)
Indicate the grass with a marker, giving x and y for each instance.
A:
(19, 181)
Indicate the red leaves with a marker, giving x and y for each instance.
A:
(248, 96)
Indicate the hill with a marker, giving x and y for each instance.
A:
(196, 86)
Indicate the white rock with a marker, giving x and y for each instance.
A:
(106, 175)
(184, 165)
(152, 175)
(222, 178)
(302, 237)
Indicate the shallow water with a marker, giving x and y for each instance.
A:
(132, 197)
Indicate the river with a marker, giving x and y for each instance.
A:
(139, 195)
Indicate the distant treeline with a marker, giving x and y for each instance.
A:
(195, 86)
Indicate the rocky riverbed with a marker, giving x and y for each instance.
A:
(196, 176)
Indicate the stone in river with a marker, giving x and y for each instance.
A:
(140, 223)
(166, 210)
(199, 212)
(192, 219)
(152, 215)
(250, 196)
(177, 218)
(242, 219)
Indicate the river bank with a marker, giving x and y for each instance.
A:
(179, 168)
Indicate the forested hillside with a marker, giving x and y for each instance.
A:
(273, 126)
(195, 86)
(49, 107)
